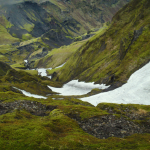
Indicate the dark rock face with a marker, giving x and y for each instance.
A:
(16, 14)
(44, 16)
(33, 107)
(109, 125)
(56, 36)
(32, 18)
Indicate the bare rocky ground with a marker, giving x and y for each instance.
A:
(35, 108)
(112, 126)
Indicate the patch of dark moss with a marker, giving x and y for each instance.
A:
(4, 68)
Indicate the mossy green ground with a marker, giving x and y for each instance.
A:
(22, 130)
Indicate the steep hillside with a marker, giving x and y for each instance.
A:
(27, 20)
(111, 57)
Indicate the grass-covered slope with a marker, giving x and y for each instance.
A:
(115, 54)
(5, 36)
(15, 54)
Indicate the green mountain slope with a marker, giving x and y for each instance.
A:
(113, 56)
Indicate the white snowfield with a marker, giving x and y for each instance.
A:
(30, 95)
(42, 71)
(135, 91)
(75, 87)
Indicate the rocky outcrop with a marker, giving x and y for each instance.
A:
(109, 126)
(32, 107)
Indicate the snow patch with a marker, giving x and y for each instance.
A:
(30, 95)
(26, 61)
(50, 77)
(75, 87)
(135, 91)
(60, 66)
(42, 71)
